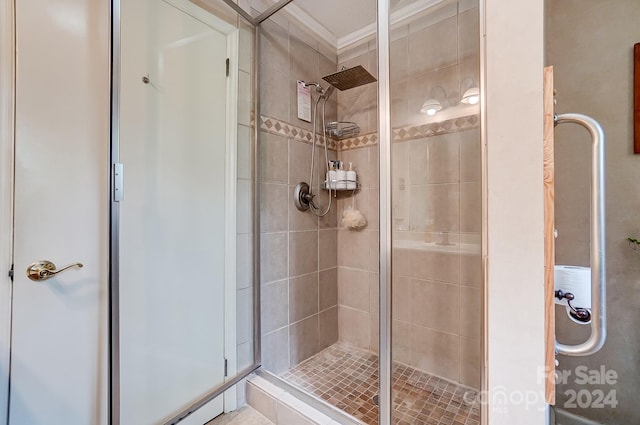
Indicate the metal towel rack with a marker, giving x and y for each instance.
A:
(598, 256)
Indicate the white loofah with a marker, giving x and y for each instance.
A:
(353, 219)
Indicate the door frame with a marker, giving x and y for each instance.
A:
(230, 328)
(7, 128)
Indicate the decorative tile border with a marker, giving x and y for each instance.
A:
(436, 128)
(402, 134)
(284, 129)
(359, 141)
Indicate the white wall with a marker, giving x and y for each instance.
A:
(6, 192)
(514, 60)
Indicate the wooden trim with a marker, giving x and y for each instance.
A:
(636, 98)
(549, 238)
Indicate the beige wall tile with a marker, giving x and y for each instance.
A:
(303, 297)
(471, 312)
(353, 249)
(429, 265)
(273, 256)
(429, 56)
(274, 47)
(328, 288)
(328, 245)
(374, 171)
(274, 157)
(299, 162)
(272, 84)
(244, 152)
(468, 30)
(353, 327)
(303, 253)
(273, 207)
(470, 361)
(470, 270)
(245, 98)
(374, 251)
(244, 314)
(401, 298)
(274, 306)
(246, 50)
(434, 159)
(470, 207)
(353, 288)
(328, 328)
(399, 59)
(435, 352)
(435, 305)
(288, 416)
(244, 259)
(401, 334)
(244, 212)
(275, 351)
(262, 402)
(374, 293)
(470, 159)
(435, 207)
(374, 338)
(303, 337)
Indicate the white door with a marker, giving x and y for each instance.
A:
(59, 347)
(173, 147)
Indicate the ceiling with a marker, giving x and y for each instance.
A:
(340, 17)
(338, 20)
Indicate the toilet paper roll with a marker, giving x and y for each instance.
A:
(574, 279)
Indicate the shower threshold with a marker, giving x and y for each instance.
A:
(347, 378)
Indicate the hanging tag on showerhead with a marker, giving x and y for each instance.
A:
(304, 102)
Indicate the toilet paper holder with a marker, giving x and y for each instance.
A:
(578, 313)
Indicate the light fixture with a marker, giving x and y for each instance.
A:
(431, 106)
(471, 96)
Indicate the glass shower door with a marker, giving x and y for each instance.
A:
(184, 208)
(436, 282)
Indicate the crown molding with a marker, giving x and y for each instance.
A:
(310, 23)
(405, 14)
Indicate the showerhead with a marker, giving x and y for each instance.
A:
(327, 92)
(324, 93)
(349, 78)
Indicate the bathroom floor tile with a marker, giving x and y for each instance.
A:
(347, 377)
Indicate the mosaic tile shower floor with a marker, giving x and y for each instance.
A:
(347, 378)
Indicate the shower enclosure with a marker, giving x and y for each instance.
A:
(376, 319)
(415, 267)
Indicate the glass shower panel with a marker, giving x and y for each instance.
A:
(436, 212)
(185, 218)
(319, 277)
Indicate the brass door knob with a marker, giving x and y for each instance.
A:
(44, 269)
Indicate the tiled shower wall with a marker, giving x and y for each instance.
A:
(298, 250)
(436, 194)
